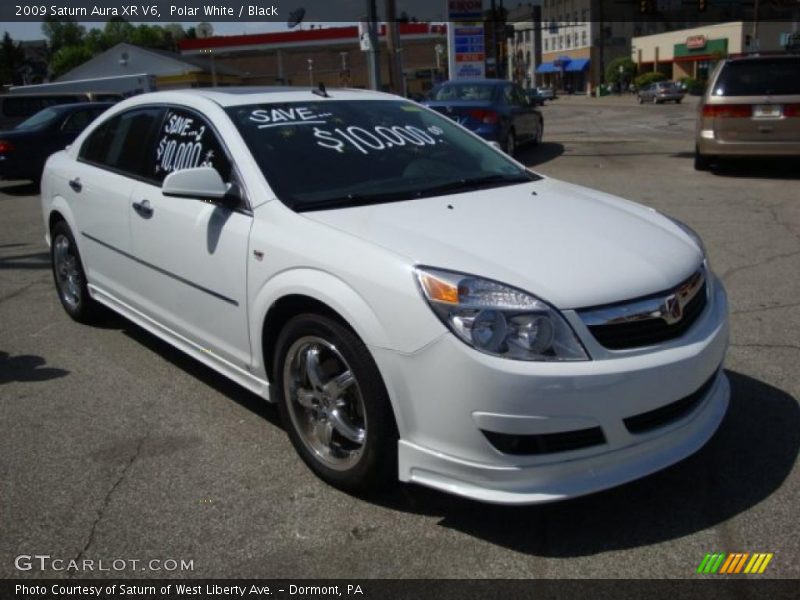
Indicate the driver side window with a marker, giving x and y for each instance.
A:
(185, 141)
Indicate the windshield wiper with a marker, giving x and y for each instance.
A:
(350, 200)
(475, 183)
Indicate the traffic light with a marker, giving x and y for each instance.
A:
(702, 5)
(647, 7)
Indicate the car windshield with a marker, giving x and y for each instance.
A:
(774, 76)
(464, 91)
(40, 119)
(332, 154)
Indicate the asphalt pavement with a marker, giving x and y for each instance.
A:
(115, 446)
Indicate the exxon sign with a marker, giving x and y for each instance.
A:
(465, 10)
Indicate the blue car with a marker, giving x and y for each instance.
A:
(497, 110)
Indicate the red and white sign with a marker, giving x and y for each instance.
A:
(695, 42)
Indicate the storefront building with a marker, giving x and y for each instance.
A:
(694, 52)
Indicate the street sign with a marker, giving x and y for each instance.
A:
(469, 53)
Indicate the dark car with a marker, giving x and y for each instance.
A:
(24, 149)
(498, 111)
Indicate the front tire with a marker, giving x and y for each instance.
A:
(334, 404)
(69, 276)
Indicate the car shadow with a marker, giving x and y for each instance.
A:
(27, 368)
(193, 367)
(761, 167)
(21, 188)
(532, 156)
(745, 462)
(35, 260)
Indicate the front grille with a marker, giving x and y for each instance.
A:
(646, 329)
(644, 422)
(545, 443)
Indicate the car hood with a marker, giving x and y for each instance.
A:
(569, 245)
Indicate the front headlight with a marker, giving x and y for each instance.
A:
(498, 319)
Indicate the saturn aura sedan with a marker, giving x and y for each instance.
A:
(419, 305)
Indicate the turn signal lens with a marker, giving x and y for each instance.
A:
(728, 110)
(438, 290)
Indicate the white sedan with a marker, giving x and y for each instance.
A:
(419, 305)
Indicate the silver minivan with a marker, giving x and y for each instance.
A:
(750, 108)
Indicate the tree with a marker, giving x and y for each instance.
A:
(67, 58)
(613, 74)
(117, 30)
(12, 59)
(60, 33)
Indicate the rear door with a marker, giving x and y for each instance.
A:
(762, 97)
(192, 254)
(98, 187)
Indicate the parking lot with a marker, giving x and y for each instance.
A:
(113, 445)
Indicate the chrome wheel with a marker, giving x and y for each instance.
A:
(67, 270)
(325, 402)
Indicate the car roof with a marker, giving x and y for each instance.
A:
(757, 57)
(235, 96)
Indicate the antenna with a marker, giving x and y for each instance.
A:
(296, 17)
(321, 91)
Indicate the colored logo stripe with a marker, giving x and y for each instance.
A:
(729, 564)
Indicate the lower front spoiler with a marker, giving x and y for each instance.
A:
(562, 480)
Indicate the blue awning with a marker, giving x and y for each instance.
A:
(547, 67)
(577, 64)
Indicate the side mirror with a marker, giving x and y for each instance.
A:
(200, 183)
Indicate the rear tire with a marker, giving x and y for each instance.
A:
(69, 276)
(334, 405)
(511, 143)
(701, 161)
(539, 133)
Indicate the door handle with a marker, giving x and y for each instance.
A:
(143, 208)
(75, 184)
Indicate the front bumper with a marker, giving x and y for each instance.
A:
(446, 393)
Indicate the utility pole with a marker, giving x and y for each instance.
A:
(398, 83)
(373, 57)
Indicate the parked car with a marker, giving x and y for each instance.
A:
(751, 107)
(495, 109)
(546, 93)
(24, 149)
(661, 91)
(17, 107)
(418, 304)
(534, 97)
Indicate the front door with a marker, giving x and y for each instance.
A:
(192, 254)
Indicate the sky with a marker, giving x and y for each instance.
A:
(33, 30)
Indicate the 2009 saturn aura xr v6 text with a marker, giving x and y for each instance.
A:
(418, 304)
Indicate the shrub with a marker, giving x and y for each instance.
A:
(646, 79)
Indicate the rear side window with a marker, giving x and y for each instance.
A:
(122, 142)
(776, 76)
(77, 121)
